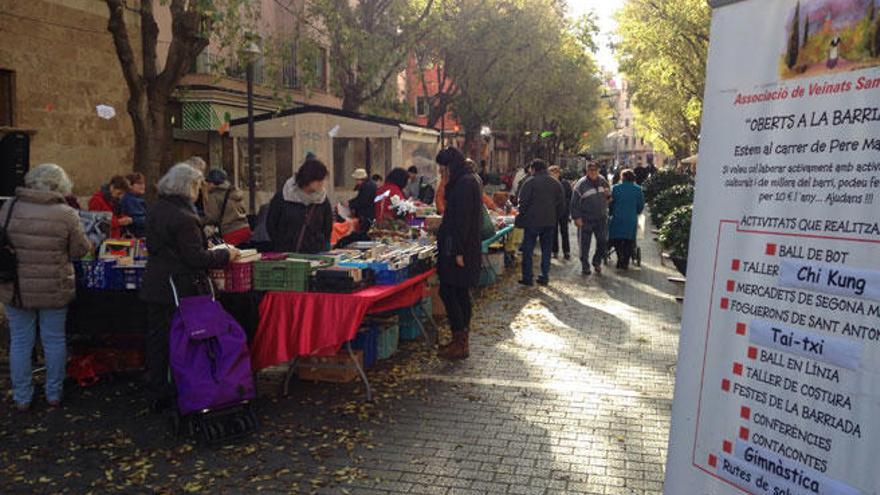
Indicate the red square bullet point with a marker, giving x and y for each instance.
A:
(713, 461)
(730, 285)
(771, 249)
(740, 328)
(725, 303)
(745, 412)
(728, 447)
(743, 433)
(725, 385)
(734, 265)
(753, 353)
(737, 369)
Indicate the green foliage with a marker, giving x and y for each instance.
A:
(661, 181)
(793, 40)
(662, 51)
(670, 199)
(675, 233)
(517, 65)
(369, 42)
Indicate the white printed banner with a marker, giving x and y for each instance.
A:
(780, 339)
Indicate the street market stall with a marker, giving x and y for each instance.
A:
(343, 140)
(333, 311)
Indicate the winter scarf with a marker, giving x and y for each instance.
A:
(294, 194)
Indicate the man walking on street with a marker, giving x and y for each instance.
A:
(541, 205)
(562, 230)
(589, 209)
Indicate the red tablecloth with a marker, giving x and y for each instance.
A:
(296, 324)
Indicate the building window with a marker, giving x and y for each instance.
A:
(643, 141)
(7, 98)
(627, 123)
(626, 142)
(289, 76)
(627, 103)
(321, 68)
(421, 106)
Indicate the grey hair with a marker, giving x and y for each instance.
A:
(48, 177)
(179, 180)
(197, 163)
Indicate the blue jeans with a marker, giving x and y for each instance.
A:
(530, 239)
(22, 333)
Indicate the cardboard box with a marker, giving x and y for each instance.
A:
(334, 369)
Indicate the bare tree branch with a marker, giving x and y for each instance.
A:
(116, 26)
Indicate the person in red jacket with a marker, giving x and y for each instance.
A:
(394, 184)
(107, 199)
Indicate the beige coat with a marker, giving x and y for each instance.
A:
(235, 215)
(46, 234)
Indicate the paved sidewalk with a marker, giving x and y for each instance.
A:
(568, 390)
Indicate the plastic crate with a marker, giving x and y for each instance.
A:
(409, 326)
(288, 275)
(391, 277)
(325, 261)
(94, 274)
(126, 277)
(487, 277)
(367, 340)
(388, 338)
(236, 277)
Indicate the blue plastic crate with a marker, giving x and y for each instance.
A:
(127, 277)
(391, 277)
(94, 274)
(367, 340)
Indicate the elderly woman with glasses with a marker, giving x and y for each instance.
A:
(177, 249)
(46, 234)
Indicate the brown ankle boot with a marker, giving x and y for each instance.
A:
(457, 349)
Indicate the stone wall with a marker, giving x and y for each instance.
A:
(65, 64)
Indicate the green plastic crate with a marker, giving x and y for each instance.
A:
(388, 338)
(326, 261)
(288, 275)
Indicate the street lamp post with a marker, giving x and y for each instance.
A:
(251, 52)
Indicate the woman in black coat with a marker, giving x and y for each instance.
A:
(177, 248)
(460, 251)
(300, 218)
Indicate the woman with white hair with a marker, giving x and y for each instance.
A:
(177, 248)
(46, 233)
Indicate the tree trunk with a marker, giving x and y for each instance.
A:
(472, 143)
(152, 136)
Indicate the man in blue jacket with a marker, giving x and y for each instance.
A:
(589, 209)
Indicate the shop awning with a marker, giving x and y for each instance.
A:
(419, 134)
(199, 116)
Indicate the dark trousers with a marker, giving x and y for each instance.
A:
(530, 239)
(562, 231)
(591, 228)
(459, 307)
(624, 249)
(156, 351)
